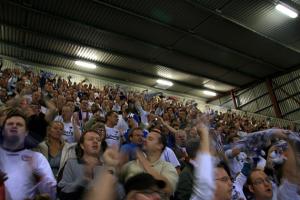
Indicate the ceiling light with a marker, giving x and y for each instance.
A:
(210, 86)
(164, 82)
(85, 64)
(209, 93)
(286, 10)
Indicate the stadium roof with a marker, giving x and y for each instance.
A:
(215, 45)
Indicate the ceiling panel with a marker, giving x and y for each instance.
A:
(264, 18)
(176, 13)
(218, 45)
(116, 20)
(248, 43)
(190, 65)
(257, 70)
(237, 78)
(206, 50)
(91, 36)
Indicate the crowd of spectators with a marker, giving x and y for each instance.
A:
(66, 140)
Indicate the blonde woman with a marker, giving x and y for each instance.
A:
(55, 149)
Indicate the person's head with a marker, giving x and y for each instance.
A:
(55, 130)
(180, 138)
(95, 108)
(66, 113)
(89, 144)
(193, 133)
(223, 182)
(192, 147)
(259, 185)
(111, 118)
(155, 142)
(143, 187)
(99, 127)
(182, 114)
(14, 130)
(84, 105)
(36, 97)
(136, 136)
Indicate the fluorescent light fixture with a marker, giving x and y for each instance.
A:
(210, 86)
(85, 64)
(164, 82)
(209, 93)
(286, 10)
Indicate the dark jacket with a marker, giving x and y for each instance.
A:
(185, 184)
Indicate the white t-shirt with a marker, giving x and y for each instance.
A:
(169, 156)
(122, 125)
(112, 136)
(69, 135)
(20, 168)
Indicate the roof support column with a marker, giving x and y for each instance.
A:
(273, 98)
(233, 97)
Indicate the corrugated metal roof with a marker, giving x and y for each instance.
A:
(215, 44)
(177, 13)
(264, 18)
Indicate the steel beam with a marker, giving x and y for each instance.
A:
(105, 65)
(273, 98)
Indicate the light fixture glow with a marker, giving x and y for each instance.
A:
(85, 64)
(287, 11)
(164, 82)
(210, 86)
(209, 93)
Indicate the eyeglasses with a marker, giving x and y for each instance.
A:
(261, 181)
(224, 179)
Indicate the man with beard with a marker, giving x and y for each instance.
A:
(27, 171)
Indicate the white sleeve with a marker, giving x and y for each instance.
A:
(228, 153)
(238, 185)
(142, 113)
(204, 185)
(169, 156)
(47, 184)
(288, 190)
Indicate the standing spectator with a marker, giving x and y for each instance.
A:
(186, 178)
(159, 169)
(113, 136)
(136, 138)
(78, 173)
(55, 149)
(28, 172)
(71, 128)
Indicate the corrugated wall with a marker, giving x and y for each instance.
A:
(257, 100)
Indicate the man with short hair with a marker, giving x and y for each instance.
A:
(113, 135)
(136, 138)
(28, 172)
(260, 185)
(161, 170)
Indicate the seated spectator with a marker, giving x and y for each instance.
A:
(55, 149)
(28, 172)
